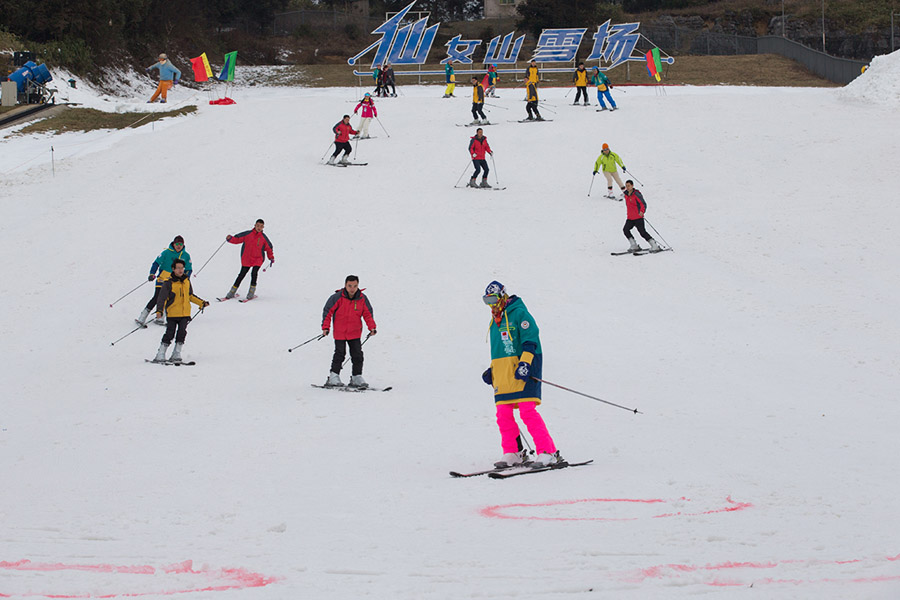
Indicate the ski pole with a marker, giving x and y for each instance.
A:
(630, 174)
(634, 410)
(361, 345)
(569, 92)
(657, 234)
(327, 150)
(210, 258)
(382, 127)
(462, 175)
(497, 179)
(527, 443)
(318, 337)
(544, 106)
(496, 106)
(134, 290)
(592, 184)
(127, 334)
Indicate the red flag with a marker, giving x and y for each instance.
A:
(202, 70)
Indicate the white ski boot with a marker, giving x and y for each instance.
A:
(334, 380)
(654, 247)
(331, 161)
(141, 320)
(633, 245)
(545, 459)
(357, 381)
(511, 459)
(345, 159)
(176, 353)
(160, 320)
(161, 353)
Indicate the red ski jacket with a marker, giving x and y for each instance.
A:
(347, 314)
(636, 205)
(342, 132)
(477, 148)
(254, 247)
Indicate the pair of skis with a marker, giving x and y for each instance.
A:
(347, 388)
(189, 363)
(533, 121)
(239, 299)
(516, 470)
(641, 252)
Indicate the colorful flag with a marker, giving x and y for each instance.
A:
(202, 70)
(227, 73)
(654, 65)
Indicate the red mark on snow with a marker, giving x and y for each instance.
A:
(521, 512)
(743, 574)
(209, 580)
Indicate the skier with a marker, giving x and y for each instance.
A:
(169, 75)
(450, 77)
(255, 245)
(163, 263)
(490, 81)
(389, 81)
(607, 161)
(175, 297)
(532, 98)
(516, 361)
(379, 79)
(634, 201)
(603, 86)
(342, 131)
(478, 146)
(532, 74)
(347, 308)
(368, 111)
(580, 79)
(477, 102)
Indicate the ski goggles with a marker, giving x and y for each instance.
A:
(491, 299)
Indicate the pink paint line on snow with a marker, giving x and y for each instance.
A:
(499, 511)
(674, 571)
(222, 579)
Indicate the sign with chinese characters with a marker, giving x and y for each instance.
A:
(409, 43)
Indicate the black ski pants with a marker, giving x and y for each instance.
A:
(152, 303)
(176, 323)
(579, 90)
(533, 106)
(340, 352)
(639, 223)
(479, 165)
(478, 109)
(243, 273)
(345, 146)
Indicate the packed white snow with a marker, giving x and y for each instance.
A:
(761, 352)
(879, 83)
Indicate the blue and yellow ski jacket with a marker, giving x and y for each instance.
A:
(515, 339)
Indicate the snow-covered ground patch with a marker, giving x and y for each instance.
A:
(761, 352)
(880, 83)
